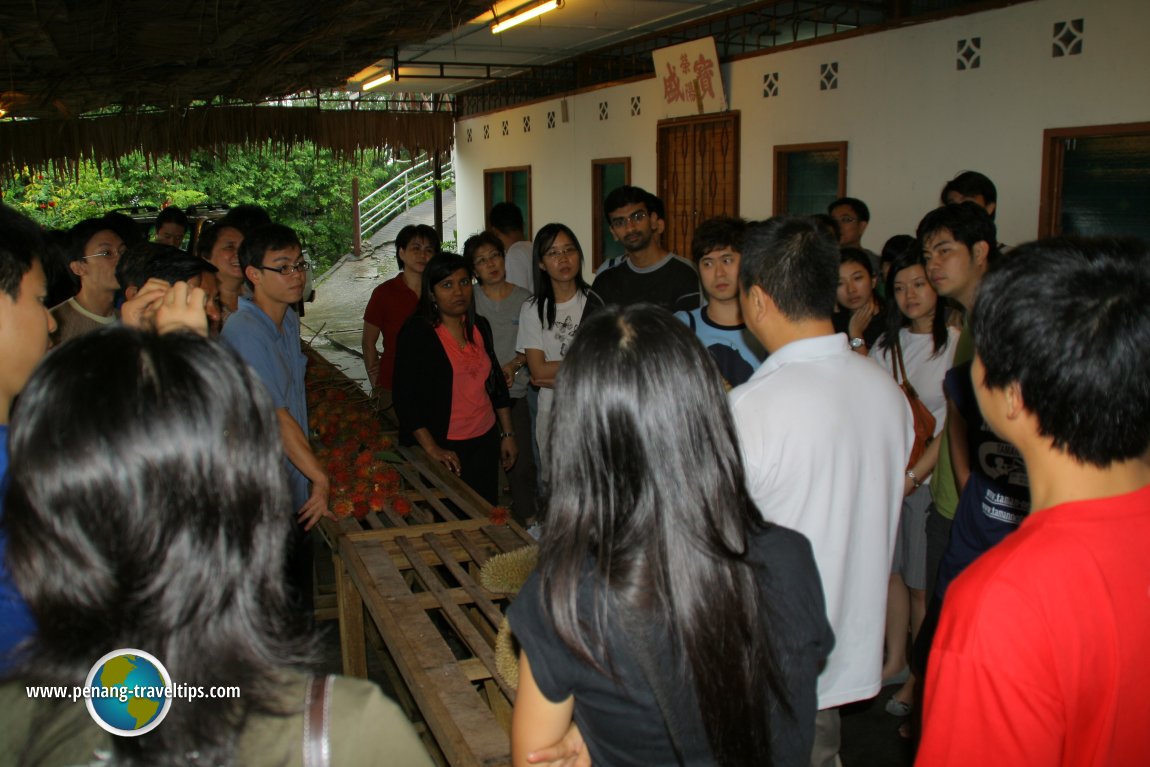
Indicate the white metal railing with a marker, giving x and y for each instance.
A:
(399, 193)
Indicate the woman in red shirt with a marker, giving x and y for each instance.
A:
(392, 303)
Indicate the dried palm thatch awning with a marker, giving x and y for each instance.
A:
(348, 133)
(63, 60)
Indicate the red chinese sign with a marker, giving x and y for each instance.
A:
(692, 83)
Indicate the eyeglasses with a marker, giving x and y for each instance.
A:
(289, 269)
(106, 254)
(485, 260)
(636, 217)
(570, 250)
(846, 219)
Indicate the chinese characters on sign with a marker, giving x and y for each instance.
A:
(692, 83)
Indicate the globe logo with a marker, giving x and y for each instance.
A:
(128, 692)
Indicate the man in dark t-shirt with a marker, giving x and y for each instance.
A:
(650, 273)
(995, 494)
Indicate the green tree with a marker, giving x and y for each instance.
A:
(305, 188)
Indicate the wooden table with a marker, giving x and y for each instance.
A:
(418, 578)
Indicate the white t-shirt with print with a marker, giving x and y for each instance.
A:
(553, 342)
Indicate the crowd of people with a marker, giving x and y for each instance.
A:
(767, 479)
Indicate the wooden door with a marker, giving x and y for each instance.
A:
(698, 162)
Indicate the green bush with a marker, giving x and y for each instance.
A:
(303, 187)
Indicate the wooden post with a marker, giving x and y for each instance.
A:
(437, 197)
(356, 231)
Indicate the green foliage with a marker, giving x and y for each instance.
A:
(305, 188)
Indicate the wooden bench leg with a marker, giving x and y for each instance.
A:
(351, 644)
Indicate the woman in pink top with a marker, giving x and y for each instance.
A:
(450, 393)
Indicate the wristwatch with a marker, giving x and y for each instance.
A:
(913, 478)
(857, 343)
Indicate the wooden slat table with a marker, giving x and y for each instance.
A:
(418, 583)
(416, 575)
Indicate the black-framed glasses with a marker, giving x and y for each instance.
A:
(846, 219)
(636, 217)
(288, 269)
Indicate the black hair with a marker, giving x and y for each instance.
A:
(856, 256)
(852, 255)
(206, 240)
(136, 258)
(971, 183)
(62, 281)
(625, 195)
(410, 232)
(82, 232)
(506, 217)
(171, 215)
(21, 245)
(968, 223)
(475, 242)
(441, 266)
(896, 245)
(861, 211)
(666, 533)
(828, 224)
(904, 252)
(173, 539)
(717, 233)
(793, 261)
(153, 259)
(126, 227)
(247, 218)
(1068, 319)
(260, 240)
(544, 298)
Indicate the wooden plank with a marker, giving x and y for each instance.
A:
(500, 706)
(415, 530)
(350, 609)
(456, 490)
(414, 479)
(395, 519)
(478, 593)
(455, 616)
(391, 671)
(475, 669)
(421, 515)
(459, 596)
(499, 536)
(333, 529)
(464, 726)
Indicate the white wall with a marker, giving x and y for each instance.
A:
(911, 118)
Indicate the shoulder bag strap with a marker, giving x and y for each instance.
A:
(317, 708)
(902, 370)
(651, 674)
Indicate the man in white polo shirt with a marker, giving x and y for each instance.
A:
(826, 435)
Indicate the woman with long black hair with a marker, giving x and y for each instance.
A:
(666, 618)
(861, 312)
(549, 320)
(148, 510)
(918, 334)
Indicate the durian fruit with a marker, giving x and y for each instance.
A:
(506, 573)
(507, 655)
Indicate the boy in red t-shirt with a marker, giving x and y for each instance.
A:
(1040, 656)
